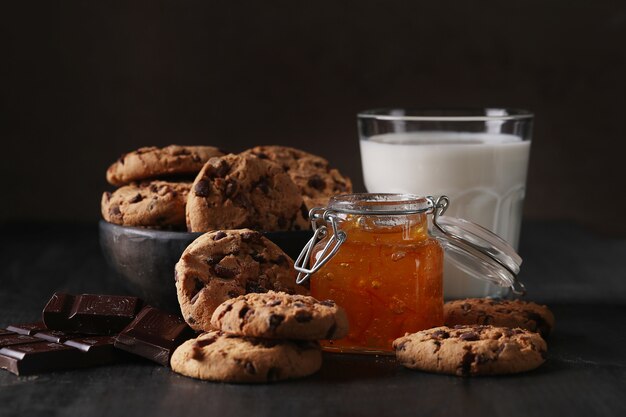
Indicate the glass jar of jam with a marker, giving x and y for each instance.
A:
(376, 256)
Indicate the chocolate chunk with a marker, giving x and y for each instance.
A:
(90, 313)
(275, 320)
(230, 188)
(114, 211)
(223, 272)
(154, 334)
(466, 363)
(542, 326)
(281, 260)
(254, 287)
(243, 312)
(248, 236)
(261, 155)
(262, 184)
(328, 303)
(219, 235)
(257, 257)
(212, 259)
(273, 303)
(198, 286)
(202, 188)
(16, 339)
(469, 336)
(136, 199)
(249, 367)
(441, 334)
(303, 316)
(222, 169)
(316, 182)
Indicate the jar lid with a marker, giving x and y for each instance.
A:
(474, 249)
(478, 252)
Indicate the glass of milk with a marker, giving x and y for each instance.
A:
(477, 157)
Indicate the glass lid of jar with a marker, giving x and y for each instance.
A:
(474, 249)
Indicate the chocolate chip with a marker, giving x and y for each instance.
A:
(248, 236)
(202, 188)
(262, 184)
(469, 336)
(261, 155)
(273, 374)
(197, 287)
(191, 320)
(466, 363)
(206, 341)
(273, 303)
(213, 260)
(244, 310)
(254, 287)
(328, 303)
(331, 331)
(257, 257)
(223, 272)
(221, 170)
(441, 334)
(275, 320)
(541, 325)
(114, 211)
(195, 297)
(230, 188)
(249, 367)
(316, 182)
(219, 235)
(303, 316)
(196, 351)
(437, 345)
(298, 304)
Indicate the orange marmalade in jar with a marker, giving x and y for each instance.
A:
(387, 274)
(375, 257)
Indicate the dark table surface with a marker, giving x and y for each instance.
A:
(580, 275)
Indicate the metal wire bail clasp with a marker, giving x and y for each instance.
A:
(330, 249)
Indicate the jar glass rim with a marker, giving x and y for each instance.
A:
(450, 115)
(380, 203)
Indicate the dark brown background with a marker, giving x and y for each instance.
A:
(83, 82)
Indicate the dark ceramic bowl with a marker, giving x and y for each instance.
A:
(144, 259)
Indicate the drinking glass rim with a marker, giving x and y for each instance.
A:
(446, 115)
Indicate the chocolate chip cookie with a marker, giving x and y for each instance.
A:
(504, 313)
(225, 264)
(277, 315)
(471, 350)
(148, 204)
(217, 356)
(311, 173)
(237, 191)
(153, 162)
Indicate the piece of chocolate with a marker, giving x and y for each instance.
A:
(90, 313)
(154, 335)
(28, 329)
(40, 356)
(55, 336)
(10, 339)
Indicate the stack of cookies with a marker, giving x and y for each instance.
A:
(480, 337)
(262, 338)
(153, 185)
(269, 188)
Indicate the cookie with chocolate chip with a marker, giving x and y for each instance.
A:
(471, 350)
(504, 313)
(152, 162)
(225, 264)
(277, 315)
(311, 173)
(157, 204)
(238, 191)
(217, 356)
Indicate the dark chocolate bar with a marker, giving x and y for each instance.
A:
(90, 313)
(38, 355)
(10, 339)
(154, 335)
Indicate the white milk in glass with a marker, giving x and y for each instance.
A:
(484, 175)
